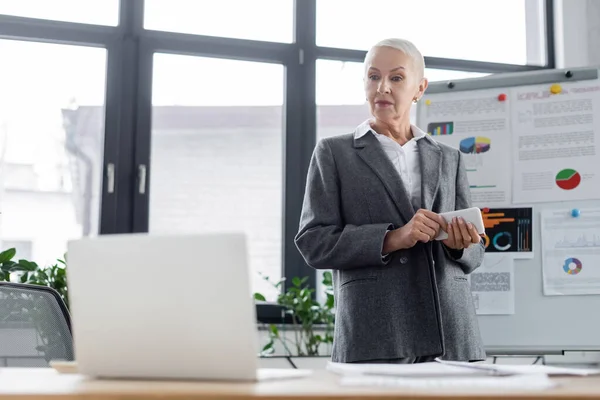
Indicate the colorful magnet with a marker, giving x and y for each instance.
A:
(555, 89)
(427, 102)
(502, 97)
(575, 213)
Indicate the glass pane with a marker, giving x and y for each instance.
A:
(491, 30)
(217, 154)
(51, 144)
(341, 104)
(97, 12)
(266, 20)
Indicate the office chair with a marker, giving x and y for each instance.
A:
(35, 326)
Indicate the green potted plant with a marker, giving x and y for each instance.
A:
(32, 310)
(54, 276)
(312, 322)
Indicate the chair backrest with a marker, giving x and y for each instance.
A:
(35, 326)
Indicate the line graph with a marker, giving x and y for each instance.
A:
(581, 241)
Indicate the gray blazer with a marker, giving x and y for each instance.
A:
(417, 302)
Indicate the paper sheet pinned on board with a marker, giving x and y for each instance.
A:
(571, 252)
(477, 124)
(556, 142)
(509, 231)
(493, 285)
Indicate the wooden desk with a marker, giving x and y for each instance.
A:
(46, 383)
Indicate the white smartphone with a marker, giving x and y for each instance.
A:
(472, 215)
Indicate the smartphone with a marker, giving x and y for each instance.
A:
(472, 215)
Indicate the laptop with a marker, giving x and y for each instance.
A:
(165, 307)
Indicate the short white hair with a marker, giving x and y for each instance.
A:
(405, 46)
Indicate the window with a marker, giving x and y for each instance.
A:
(51, 141)
(217, 154)
(340, 97)
(341, 104)
(222, 143)
(98, 12)
(22, 248)
(492, 30)
(267, 20)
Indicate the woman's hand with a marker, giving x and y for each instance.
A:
(424, 226)
(460, 234)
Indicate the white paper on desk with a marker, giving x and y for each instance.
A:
(507, 369)
(515, 382)
(493, 285)
(428, 369)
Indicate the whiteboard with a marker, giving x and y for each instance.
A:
(541, 324)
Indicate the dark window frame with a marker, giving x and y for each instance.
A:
(128, 107)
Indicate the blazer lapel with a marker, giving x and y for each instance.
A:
(430, 157)
(372, 154)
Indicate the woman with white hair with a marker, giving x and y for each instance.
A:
(371, 214)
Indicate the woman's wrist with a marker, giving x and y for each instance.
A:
(392, 241)
(388, 247)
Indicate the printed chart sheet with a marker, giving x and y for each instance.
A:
(555, 142)
(509, 231)
(571, 252)
(493, 285)
(477, 124)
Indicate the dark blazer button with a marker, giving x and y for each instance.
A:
(403, 260)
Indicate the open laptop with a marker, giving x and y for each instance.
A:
(165, 307)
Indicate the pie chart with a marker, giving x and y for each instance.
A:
(568, 179)
(572, 266)
(475, 145)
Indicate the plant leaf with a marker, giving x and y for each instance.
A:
(42, 276)
(7, 255)
(281, 282)
(268, 349)
(258, 296)
(268, 346)
(327, 277)
(28, 265)
(7, 265)
(330, 301)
